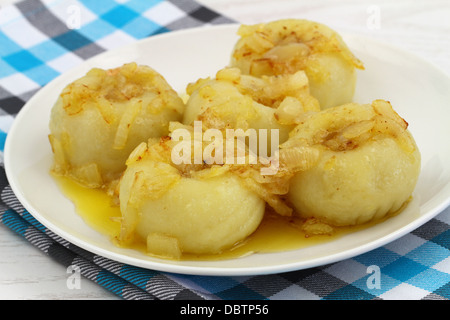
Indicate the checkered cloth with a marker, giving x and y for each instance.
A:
(39, 40)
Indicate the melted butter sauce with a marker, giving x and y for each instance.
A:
(93, 205)
(275, 233)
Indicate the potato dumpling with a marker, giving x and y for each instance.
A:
(232, 100)
(289, 45)
(368, 165)
(183, 209)
(101, 117)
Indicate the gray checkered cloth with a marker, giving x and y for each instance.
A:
(39, 41)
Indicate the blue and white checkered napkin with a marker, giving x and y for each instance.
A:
(39, 40)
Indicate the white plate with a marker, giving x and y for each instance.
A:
(417, 90)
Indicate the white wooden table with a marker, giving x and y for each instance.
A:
(420, 26)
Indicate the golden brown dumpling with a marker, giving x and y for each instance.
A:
(235, 101)
(101, 117)
(178, 209)
(368, 166)
(289, 45)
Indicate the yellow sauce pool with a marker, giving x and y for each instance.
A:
(275, 233)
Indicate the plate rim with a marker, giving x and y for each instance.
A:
(196, 270)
